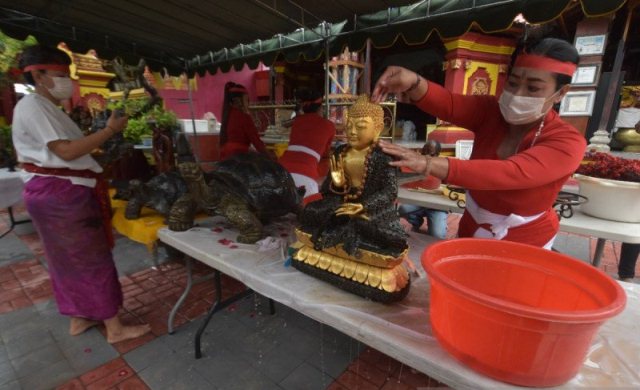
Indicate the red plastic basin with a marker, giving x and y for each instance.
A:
(515, 312)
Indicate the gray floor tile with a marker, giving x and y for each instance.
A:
(190, 380)
(278, 363)
(25, 343)
(153, 353)
(306, 377)
(173, 369)
(7, 373)
(334, 360)
(37, 360)
(301, 343)
(250, 379)
(3, 353)
(301, 321)
(218, 365)
(49, 377)
(253, 345)
(183, 335)
(14, 385)
(15, 319)
(88, 351)
(88, 339)
(14, 250)
(15, 332)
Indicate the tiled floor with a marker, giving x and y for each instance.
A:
(244, 346)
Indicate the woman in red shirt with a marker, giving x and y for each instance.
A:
(522, 154)
(310, 140)
(237, 131)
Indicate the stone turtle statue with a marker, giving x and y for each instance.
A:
(247, 189)
(159, 193)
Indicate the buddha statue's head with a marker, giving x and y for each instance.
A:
(365, 121)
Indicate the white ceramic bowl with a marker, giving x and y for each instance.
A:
(610, 199)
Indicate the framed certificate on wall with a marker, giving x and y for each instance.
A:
(577, 103)
(590, 45)
(586, 75)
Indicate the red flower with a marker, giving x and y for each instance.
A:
(606, 166)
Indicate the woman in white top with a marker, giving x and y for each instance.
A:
(66, 197)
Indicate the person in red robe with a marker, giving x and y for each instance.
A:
(310, 140)
(523, 152)
(237, 131)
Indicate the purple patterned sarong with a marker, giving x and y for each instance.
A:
(83, 273)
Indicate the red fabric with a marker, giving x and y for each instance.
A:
(101, 190)
(430, 183)
(311, 131)
(241, 132)
(311, 198)
(232, 148)
(61, 68)
(526, 183)
(545, 63)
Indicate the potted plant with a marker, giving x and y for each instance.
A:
(7, 152)
(612, 185)
(139, 129)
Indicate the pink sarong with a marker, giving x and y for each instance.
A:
(69, 222)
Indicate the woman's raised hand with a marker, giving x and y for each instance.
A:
(396, 80)
(117, 121)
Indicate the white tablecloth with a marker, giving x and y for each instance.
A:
(400, 330)
(11, 186)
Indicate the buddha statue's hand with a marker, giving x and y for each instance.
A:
(338, 178)
(354, 210)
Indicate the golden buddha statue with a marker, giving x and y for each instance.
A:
(352, 237)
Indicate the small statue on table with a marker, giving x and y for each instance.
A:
(162, 143)
(352, 237)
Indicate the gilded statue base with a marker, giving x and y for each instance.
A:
(386, 284)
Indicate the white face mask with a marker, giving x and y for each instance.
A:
(62, 88)
(520, 110)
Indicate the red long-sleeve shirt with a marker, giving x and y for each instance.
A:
(241, 133)
(313, 132)
(526, 183)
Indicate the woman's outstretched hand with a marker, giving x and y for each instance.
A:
(404, 157)
(397, 80)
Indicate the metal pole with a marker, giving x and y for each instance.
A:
(193, 119)
(367, 68)
(327, 86)
(615, 75)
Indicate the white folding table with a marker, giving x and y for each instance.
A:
(400, 330)
(579, 223)
(11, 186)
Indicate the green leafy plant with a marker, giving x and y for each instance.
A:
(165, 119)
(136, 129)
(6, 146)
(9, 50)
(140, 123)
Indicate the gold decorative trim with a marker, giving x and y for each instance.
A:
(479, 47)
(386, 279)
(367, 257)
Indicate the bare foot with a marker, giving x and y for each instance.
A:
(127, 332)
(80, 325)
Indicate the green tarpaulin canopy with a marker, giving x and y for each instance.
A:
(204, 34)
(412, 23)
